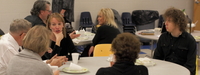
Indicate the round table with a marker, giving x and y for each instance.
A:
(161, 67)
(156, 37)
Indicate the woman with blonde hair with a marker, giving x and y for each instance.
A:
(61, 44)
(35, 44)
(108, 29)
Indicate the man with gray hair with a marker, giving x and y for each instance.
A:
(10, 43)
(39, 13)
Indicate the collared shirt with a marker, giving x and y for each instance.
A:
(8, 48)
(180, 50)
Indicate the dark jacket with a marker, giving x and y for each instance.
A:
(180, 50)
(123, 68)
(68, 5)
(35, 20)
(105, 34)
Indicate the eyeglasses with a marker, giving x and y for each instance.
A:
(22, 33)
(48, 10)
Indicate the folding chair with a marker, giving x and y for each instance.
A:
(102, 50)
(127, 23)
(85, 20)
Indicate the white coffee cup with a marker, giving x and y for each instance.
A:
(75, 58)
(82, 32)
(157, 31)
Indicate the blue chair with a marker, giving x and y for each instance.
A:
(85, 20)
(127, 23)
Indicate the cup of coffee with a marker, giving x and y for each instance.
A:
(75, 58)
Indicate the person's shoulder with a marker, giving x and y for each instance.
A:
(140, 66)
(107, 27)
(188, 36)
(103, 70)
(165, 34)
(31, 18)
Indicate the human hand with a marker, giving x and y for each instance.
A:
(73, 35)
(63, 58)
(91, 50)
(59, 37)
(57, 62)
(56, 72)
(50, 60)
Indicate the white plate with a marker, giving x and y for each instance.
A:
(151, 63)
(83, 70)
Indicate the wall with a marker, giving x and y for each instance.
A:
(14, 9)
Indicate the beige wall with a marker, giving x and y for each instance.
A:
(14, 9)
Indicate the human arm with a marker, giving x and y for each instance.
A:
(55, 45)
(57, 60)
(59, 37)
(191, 57)
(73, 35)
(91, 50)
(56, 72)
(158, 53)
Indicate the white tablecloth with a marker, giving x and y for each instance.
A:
(161, 67)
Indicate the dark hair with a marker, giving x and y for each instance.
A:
(126, 47)
(39, 5)
(177, 16)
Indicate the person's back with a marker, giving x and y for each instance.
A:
(105, 34)
(29, 60)
(123, 68)
(10, 42)
(125, 48)
(35, 20)
(8, 48)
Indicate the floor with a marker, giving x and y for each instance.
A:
(146, 52)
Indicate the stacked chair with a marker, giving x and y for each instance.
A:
(85, 21)
(128, 25)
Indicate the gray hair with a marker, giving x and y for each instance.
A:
(39, 5)
(20, 25)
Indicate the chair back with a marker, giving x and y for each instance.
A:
(102, 50)
(85, 19)
(126, 19)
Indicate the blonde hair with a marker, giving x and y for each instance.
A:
(37, 39)
(59, 18)
(109, 18)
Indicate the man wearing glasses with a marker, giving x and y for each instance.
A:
(39, 13)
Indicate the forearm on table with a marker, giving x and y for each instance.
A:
(56, 50)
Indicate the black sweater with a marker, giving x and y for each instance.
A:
(66, 48)
(105, 34)
(123, 68)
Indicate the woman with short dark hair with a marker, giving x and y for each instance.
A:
(125, 47)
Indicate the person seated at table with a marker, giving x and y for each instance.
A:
(61, 44)
(28, 61)
(107, 31)
(176, 45)
(125, 48)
